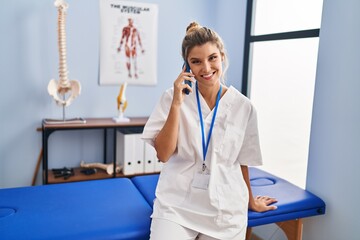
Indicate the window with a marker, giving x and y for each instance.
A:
(281, 46)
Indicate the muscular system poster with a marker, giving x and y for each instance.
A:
(128, 42)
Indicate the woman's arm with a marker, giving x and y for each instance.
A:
(259, 203)
(166, 141)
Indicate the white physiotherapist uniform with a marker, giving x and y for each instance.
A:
(220, 211)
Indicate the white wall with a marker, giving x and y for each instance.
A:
(29, 59)
(334, 158)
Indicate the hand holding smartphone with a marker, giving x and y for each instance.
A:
(187, 69)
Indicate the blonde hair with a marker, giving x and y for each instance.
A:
(197, 35)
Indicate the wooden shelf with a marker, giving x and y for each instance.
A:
(97, 123)
(79, 176)
(48, 127)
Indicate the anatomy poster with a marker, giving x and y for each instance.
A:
(128, 42)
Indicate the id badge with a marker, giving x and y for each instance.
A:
(201, 180)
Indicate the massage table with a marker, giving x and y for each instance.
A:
(120, 208)
(99, 209)
(293, 204)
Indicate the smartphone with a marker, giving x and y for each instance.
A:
(187, 69)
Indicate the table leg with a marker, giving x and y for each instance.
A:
(292, 229)
(248, 233)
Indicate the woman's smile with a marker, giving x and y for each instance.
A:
(208, 76)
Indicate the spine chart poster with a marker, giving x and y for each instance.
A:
(128, 43)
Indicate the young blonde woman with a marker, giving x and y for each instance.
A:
(207, 139)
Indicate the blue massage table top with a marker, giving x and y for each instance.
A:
(293, 202)
(120, 208)
(80, 210)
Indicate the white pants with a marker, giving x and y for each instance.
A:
(162, 229)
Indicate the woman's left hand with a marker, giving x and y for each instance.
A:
(263, 204)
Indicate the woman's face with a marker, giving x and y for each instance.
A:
(206, 63)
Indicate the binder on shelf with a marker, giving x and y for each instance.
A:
(125, 152)
(149, 159)
(130, 152)
(138, 153)
(158, 165)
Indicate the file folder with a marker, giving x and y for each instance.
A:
(149, 159)
(139, 153)
(125, 146)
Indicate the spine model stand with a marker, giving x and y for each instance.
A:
(63, 91)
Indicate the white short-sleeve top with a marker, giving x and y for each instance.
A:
(221, 210)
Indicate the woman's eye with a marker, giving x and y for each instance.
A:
(212, 58)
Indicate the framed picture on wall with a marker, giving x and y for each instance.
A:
(128, 43)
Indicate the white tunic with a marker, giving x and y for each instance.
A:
(221, 210)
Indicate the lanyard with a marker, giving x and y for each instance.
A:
(205, 145)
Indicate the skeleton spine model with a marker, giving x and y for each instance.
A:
(63, 91)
